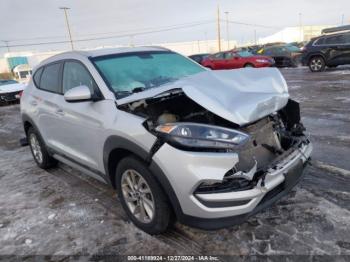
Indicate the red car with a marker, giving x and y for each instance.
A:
(236, 59)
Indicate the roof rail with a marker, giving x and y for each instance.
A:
(336, 29)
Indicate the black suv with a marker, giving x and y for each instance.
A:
(327, 50)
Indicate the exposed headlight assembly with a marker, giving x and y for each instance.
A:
(193, 135)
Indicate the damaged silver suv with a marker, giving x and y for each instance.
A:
(177, 141)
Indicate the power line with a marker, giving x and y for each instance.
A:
(134, 31)
(113, 36)
(255, 25)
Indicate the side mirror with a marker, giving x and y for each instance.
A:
(78, 94)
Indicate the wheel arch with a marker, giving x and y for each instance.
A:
(116, 148)
(315, 55)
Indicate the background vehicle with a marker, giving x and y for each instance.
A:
(284, 55)
(199, 57)
(144, 120)
(236, 59)
(327, 50)
(10, 91)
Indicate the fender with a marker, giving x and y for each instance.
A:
(315, 54)
(117, 142)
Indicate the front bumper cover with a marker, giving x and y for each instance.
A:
(197, 167)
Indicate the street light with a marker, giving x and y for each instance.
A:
(67, 23)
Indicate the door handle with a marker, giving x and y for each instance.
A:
(60, 112)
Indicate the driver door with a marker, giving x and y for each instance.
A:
(81, 122)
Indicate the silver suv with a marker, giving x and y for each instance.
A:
(177, 141)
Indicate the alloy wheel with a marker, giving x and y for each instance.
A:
(316, 64)
(138, 196)
(36, 148)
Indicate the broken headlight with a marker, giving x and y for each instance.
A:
(193, 135)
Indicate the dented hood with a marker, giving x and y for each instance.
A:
(241, 96)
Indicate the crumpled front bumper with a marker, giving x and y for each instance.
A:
(187, 170)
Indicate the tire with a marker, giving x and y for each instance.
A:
(39, 150)
(248, 65)
(317, 64)
(134, 200)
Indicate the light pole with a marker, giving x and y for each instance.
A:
(342, 19)
(227, 31)
(218, 25)
(300, 28)
(67, 23)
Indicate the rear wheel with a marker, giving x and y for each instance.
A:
(39, 151)
(248, 65)
(142, 197)
(317, 64)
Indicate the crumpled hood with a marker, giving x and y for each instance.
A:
(241, 96)
(11, 88)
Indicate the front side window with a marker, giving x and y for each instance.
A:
(126, 73)
(245, 54)
(75, 74)
(218, 56)
(50, 78)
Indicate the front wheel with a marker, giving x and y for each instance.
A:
(248, 65)
(317, 64)
(142, 197)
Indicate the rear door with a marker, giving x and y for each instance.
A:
(44, 100)
(338, 49)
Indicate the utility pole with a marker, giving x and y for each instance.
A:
(7, 45)
(219, 33)
(342, 19)
(300, 28)
(227, 31)
(254, 36)
(67, 23)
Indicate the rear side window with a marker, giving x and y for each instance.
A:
(75, 74)
(50, 78)
(36, 77)
(334, 40)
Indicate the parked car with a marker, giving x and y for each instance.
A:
(10, 91)
(327, 50)
(236, 59)
(177, 141)
(284, 55)
(199, 57)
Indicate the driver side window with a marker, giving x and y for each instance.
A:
(75, 74)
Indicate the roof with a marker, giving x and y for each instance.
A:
(22, 67)
(109, 51)
(99, 52)
(336, 29)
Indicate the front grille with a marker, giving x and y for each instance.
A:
(9, 97)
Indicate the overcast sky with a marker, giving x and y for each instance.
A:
(36, 19)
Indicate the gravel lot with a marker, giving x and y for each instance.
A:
(63, 212)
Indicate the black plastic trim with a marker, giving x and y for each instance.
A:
(293, 177)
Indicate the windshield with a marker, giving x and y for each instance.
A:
(134, 72)
(7, 82)
(293, 48)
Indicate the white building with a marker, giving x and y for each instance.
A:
(294, 34)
